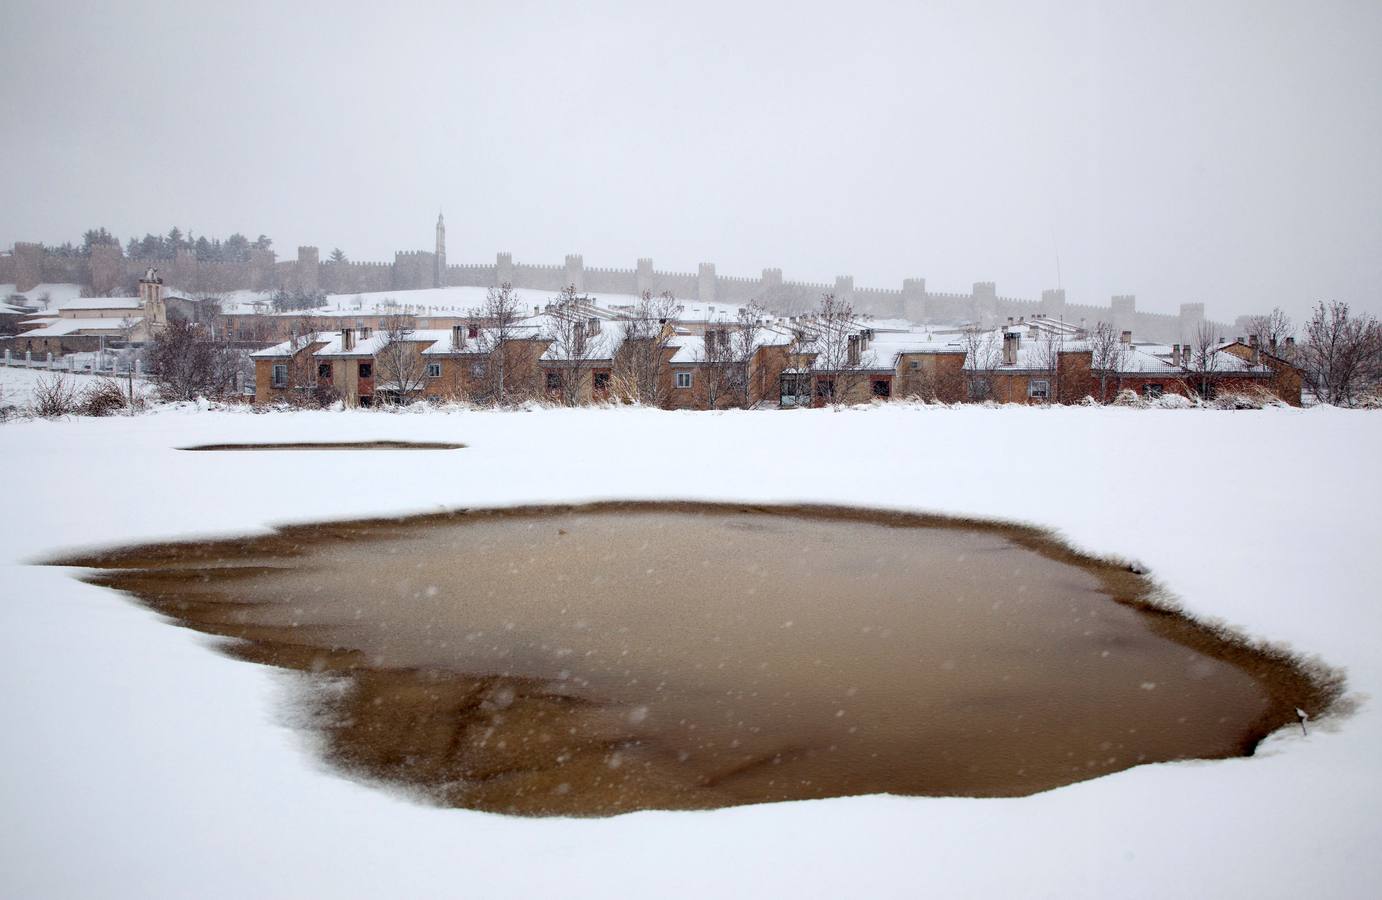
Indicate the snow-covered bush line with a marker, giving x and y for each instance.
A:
(58, 396)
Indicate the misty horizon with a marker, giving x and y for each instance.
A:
(1224, 155)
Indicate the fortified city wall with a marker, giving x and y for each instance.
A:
(107, 270)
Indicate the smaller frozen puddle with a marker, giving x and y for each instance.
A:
(601, 659)
(355, 445)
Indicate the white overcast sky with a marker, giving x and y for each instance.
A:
(1229, 152)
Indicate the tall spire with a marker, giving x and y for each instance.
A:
(439, 275)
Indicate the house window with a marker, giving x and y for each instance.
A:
(601, 382)
(1152, 391)
(434, 370)
(978, 388)
(280, 376)
(882, 387)
(554, 381)
(825, 388)
(683, 379)
(324, 371)
(914, 364)
(1039, 389)
(366, 370)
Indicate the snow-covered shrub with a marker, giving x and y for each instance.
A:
(1128, 397)
(1173, 401)
(54, 397)
(105, 397)
(1371, 400)
(1247, 398)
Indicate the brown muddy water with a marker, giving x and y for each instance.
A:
(355, 445)
(602, 659)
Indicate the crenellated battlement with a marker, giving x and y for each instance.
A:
(29, 264)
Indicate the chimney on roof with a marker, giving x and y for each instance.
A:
(365, 332)
(1290, 344)
(457, 337)
(592, 325)
(853, 350)
(1125, 337)
(1256, 350)
(1010, 344)
(347, 338)
(1175, 354)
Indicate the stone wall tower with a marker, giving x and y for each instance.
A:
(439, 276)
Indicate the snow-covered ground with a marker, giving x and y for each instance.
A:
(17, 384)
(135, 761)
(48, 296)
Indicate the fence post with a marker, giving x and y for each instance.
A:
(28, 359)
(7, 357)
(139, 368)
(50, 360)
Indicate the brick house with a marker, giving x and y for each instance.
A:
(581, 359)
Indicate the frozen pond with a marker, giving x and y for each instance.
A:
(601, 659)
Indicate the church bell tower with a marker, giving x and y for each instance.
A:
(439, 276)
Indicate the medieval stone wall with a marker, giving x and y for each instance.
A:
(107, 270)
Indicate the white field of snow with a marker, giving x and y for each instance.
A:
(136, 761)
(17, 384)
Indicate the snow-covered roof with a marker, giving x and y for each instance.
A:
(82, 303)
(892, 344)
(284, 349)
(690, 348)
(62, 327)
(1156, 359)
(483, 339)
(600, 345)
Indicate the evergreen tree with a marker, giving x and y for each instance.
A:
(237, 248)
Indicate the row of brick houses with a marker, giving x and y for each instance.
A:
(587, 353)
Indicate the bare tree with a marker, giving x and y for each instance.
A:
(502, 315)
(1202, 359)
(187, 363)
(741, 349)
(399, 357)
(840, 361)
(714, 356)
(1272, 330)
(1342, 354)
(983, 355)
(1108, 355)
(641, 367)
(1046, 359)
(576, 341)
